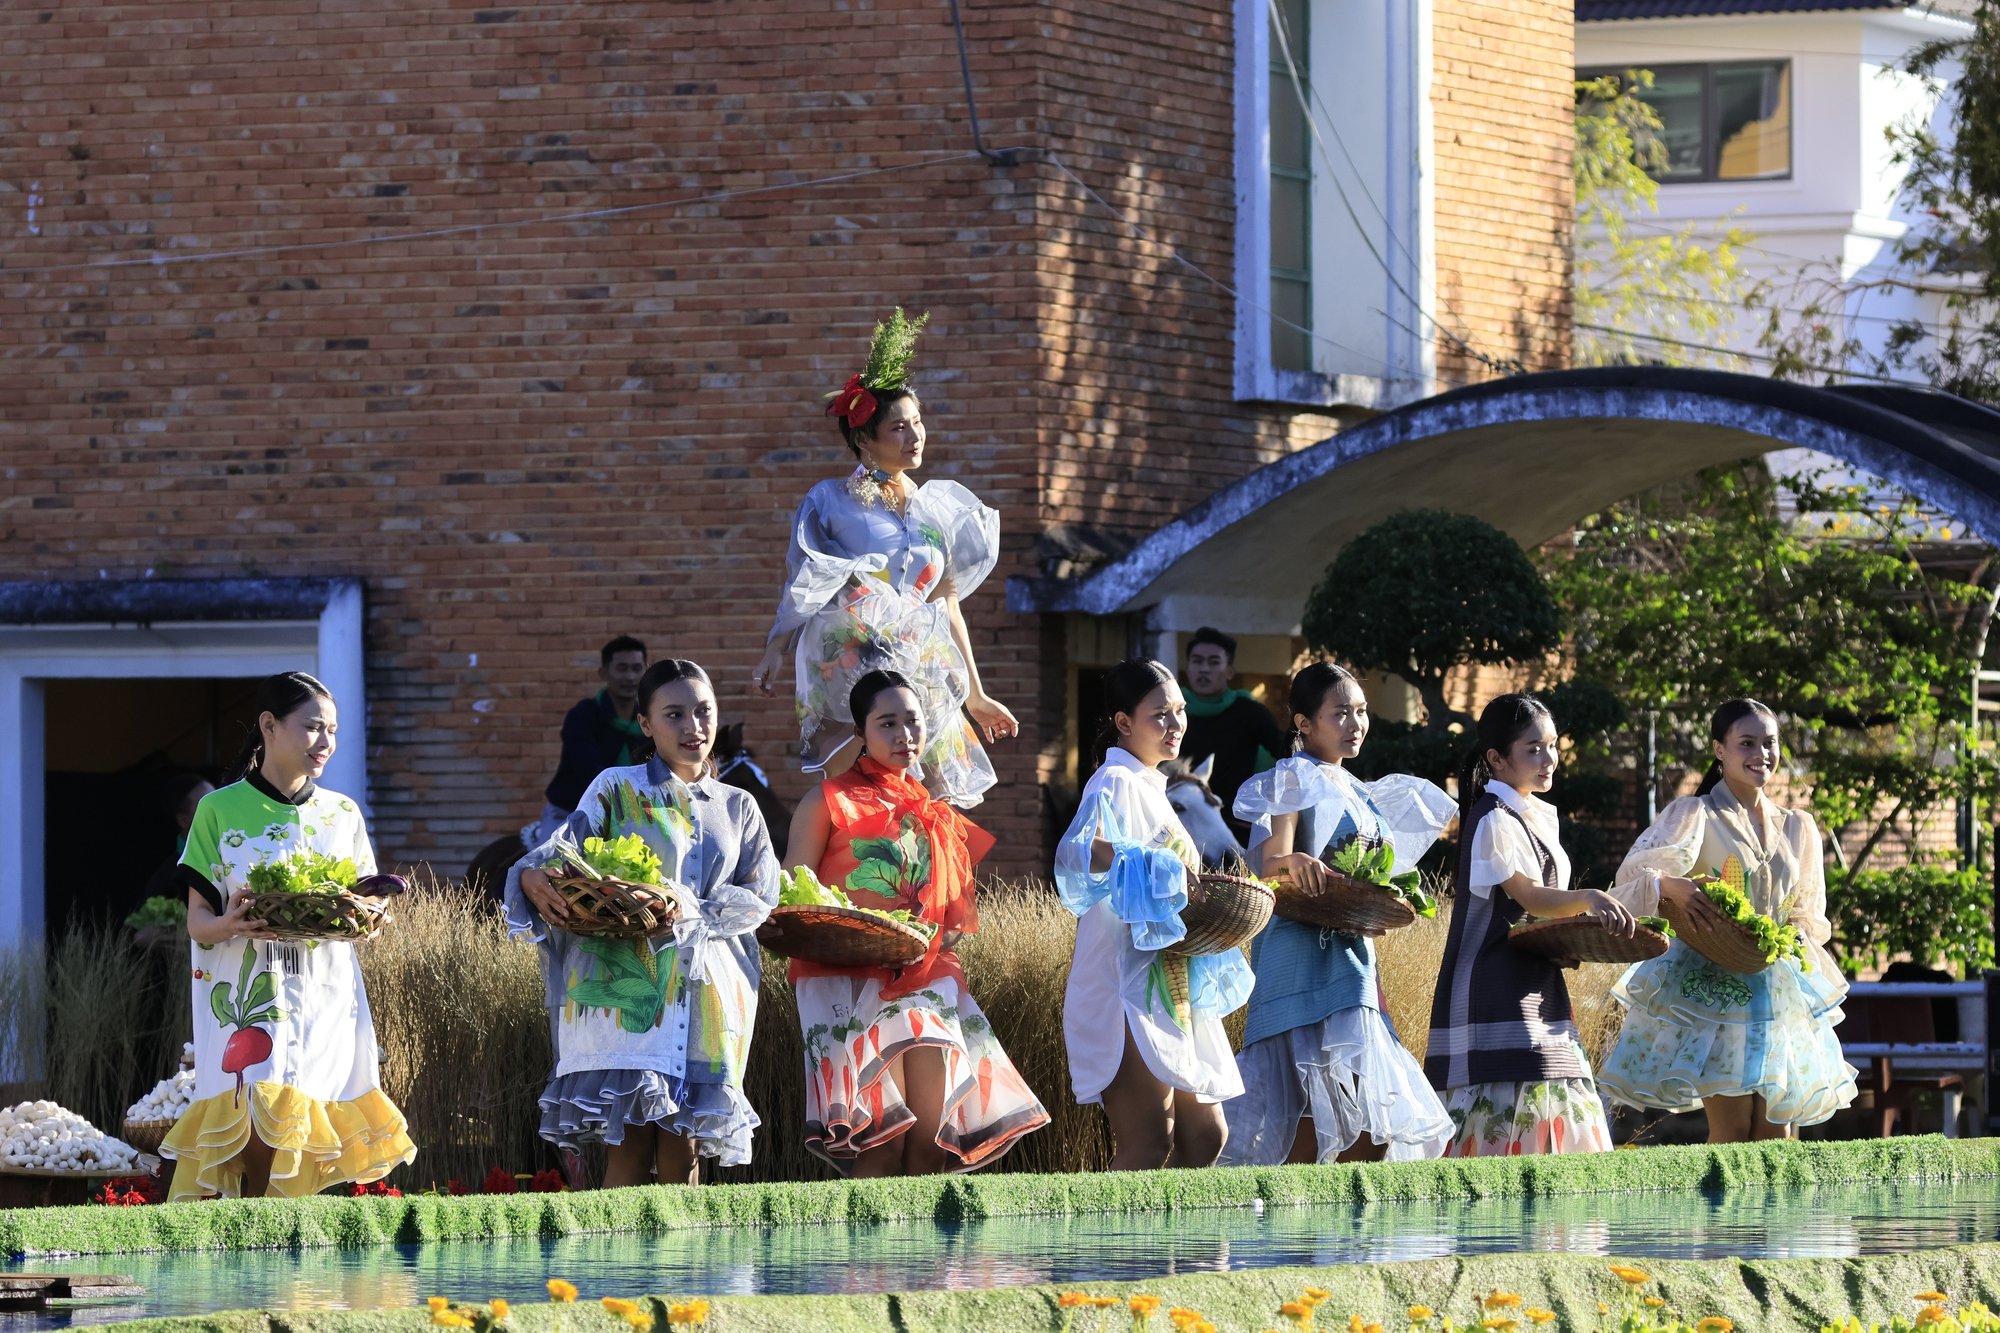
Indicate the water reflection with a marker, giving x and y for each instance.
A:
(1008, 1252)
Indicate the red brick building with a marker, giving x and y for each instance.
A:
(515, 321)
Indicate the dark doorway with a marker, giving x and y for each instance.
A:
(117, 753)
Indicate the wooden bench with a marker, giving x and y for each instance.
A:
(1890, 1028)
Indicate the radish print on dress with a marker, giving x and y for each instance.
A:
(249, 1002)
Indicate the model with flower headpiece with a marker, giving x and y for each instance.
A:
(876, 570)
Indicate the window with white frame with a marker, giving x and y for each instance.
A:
(1333, 254)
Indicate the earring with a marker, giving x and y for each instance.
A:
(875, 474)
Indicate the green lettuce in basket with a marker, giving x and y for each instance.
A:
(304, 872)
(1377, 866)
(1658, 923)
(1773, 940)
(800, 887)
(628, 858)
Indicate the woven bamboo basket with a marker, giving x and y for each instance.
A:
(1728, 946)
(614, 907)
(145, 1135)
(318, 916)
(841, 937)
(1586, 939)
(1345, 904)
(1223, 911)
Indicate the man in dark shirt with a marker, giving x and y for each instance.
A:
(1229, 724)
(600, 732)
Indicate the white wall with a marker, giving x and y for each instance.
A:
(1836, 219)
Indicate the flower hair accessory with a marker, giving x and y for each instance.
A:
(888, 369)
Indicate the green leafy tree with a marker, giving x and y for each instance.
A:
(1424, 592)
(1952, 182)
(1632, 281)
(1683, 598)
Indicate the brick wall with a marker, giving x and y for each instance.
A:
(525, 439)
(1502, 89)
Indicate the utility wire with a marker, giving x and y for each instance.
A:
(1462, 343)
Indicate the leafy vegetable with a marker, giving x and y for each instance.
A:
(304, 872)
(1658, 923)
(1773, 940)
(1377, 866)
(800, 887)
(159, 911)
(627, 858)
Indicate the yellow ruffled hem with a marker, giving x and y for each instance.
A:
(315, 1144)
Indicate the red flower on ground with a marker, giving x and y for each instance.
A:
(549, 1181)
(500, 1181)
(456, 1188)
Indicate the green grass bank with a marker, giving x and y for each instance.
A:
(1757, 1296)
(417, 1219)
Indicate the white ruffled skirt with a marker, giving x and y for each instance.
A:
(1694, 1030)
(1351, 1074)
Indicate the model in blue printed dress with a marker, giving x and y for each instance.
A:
(876, 570)
(652, 1034)
(1757, 1053)
(1325, 1076)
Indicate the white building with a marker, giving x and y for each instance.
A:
(1776, 116)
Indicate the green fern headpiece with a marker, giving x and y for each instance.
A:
(888, 369)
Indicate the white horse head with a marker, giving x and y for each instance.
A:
(1200, 810)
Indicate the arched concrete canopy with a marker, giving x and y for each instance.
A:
(1531, 455)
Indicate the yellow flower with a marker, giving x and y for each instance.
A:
(1715, 1323)
(1602, 1308)
(450, 1319)
(1541, 1316)
(690, 1313)
(1355, 1324)
(1931, 1315)
(499, 1308)
(1627, 1273)
(620, 1308)
(1143, 1307)
(1654, 1302)
(1372, 1328)
(1930, 1297)
(438, 1304)
(1296, 1311)
(1419, 1313)
(1317, 1295)
(1069, 1300)
(1497, 1299)
(560, 1291)
(1104, 1302)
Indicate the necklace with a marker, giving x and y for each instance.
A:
(873, 486)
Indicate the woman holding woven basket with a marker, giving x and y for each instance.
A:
(1503, 1047)
(652, 1032)
(875, 573)
(903, 1073)
(1325, 1076)
(1757, 1052)
(1142, 1025)
(288, 1097)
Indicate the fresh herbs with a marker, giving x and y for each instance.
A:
(1772, 940)
(304, 871)
(159, 911)
(800, 887)
(1377, 865)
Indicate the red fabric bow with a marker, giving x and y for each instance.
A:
(853, 403)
